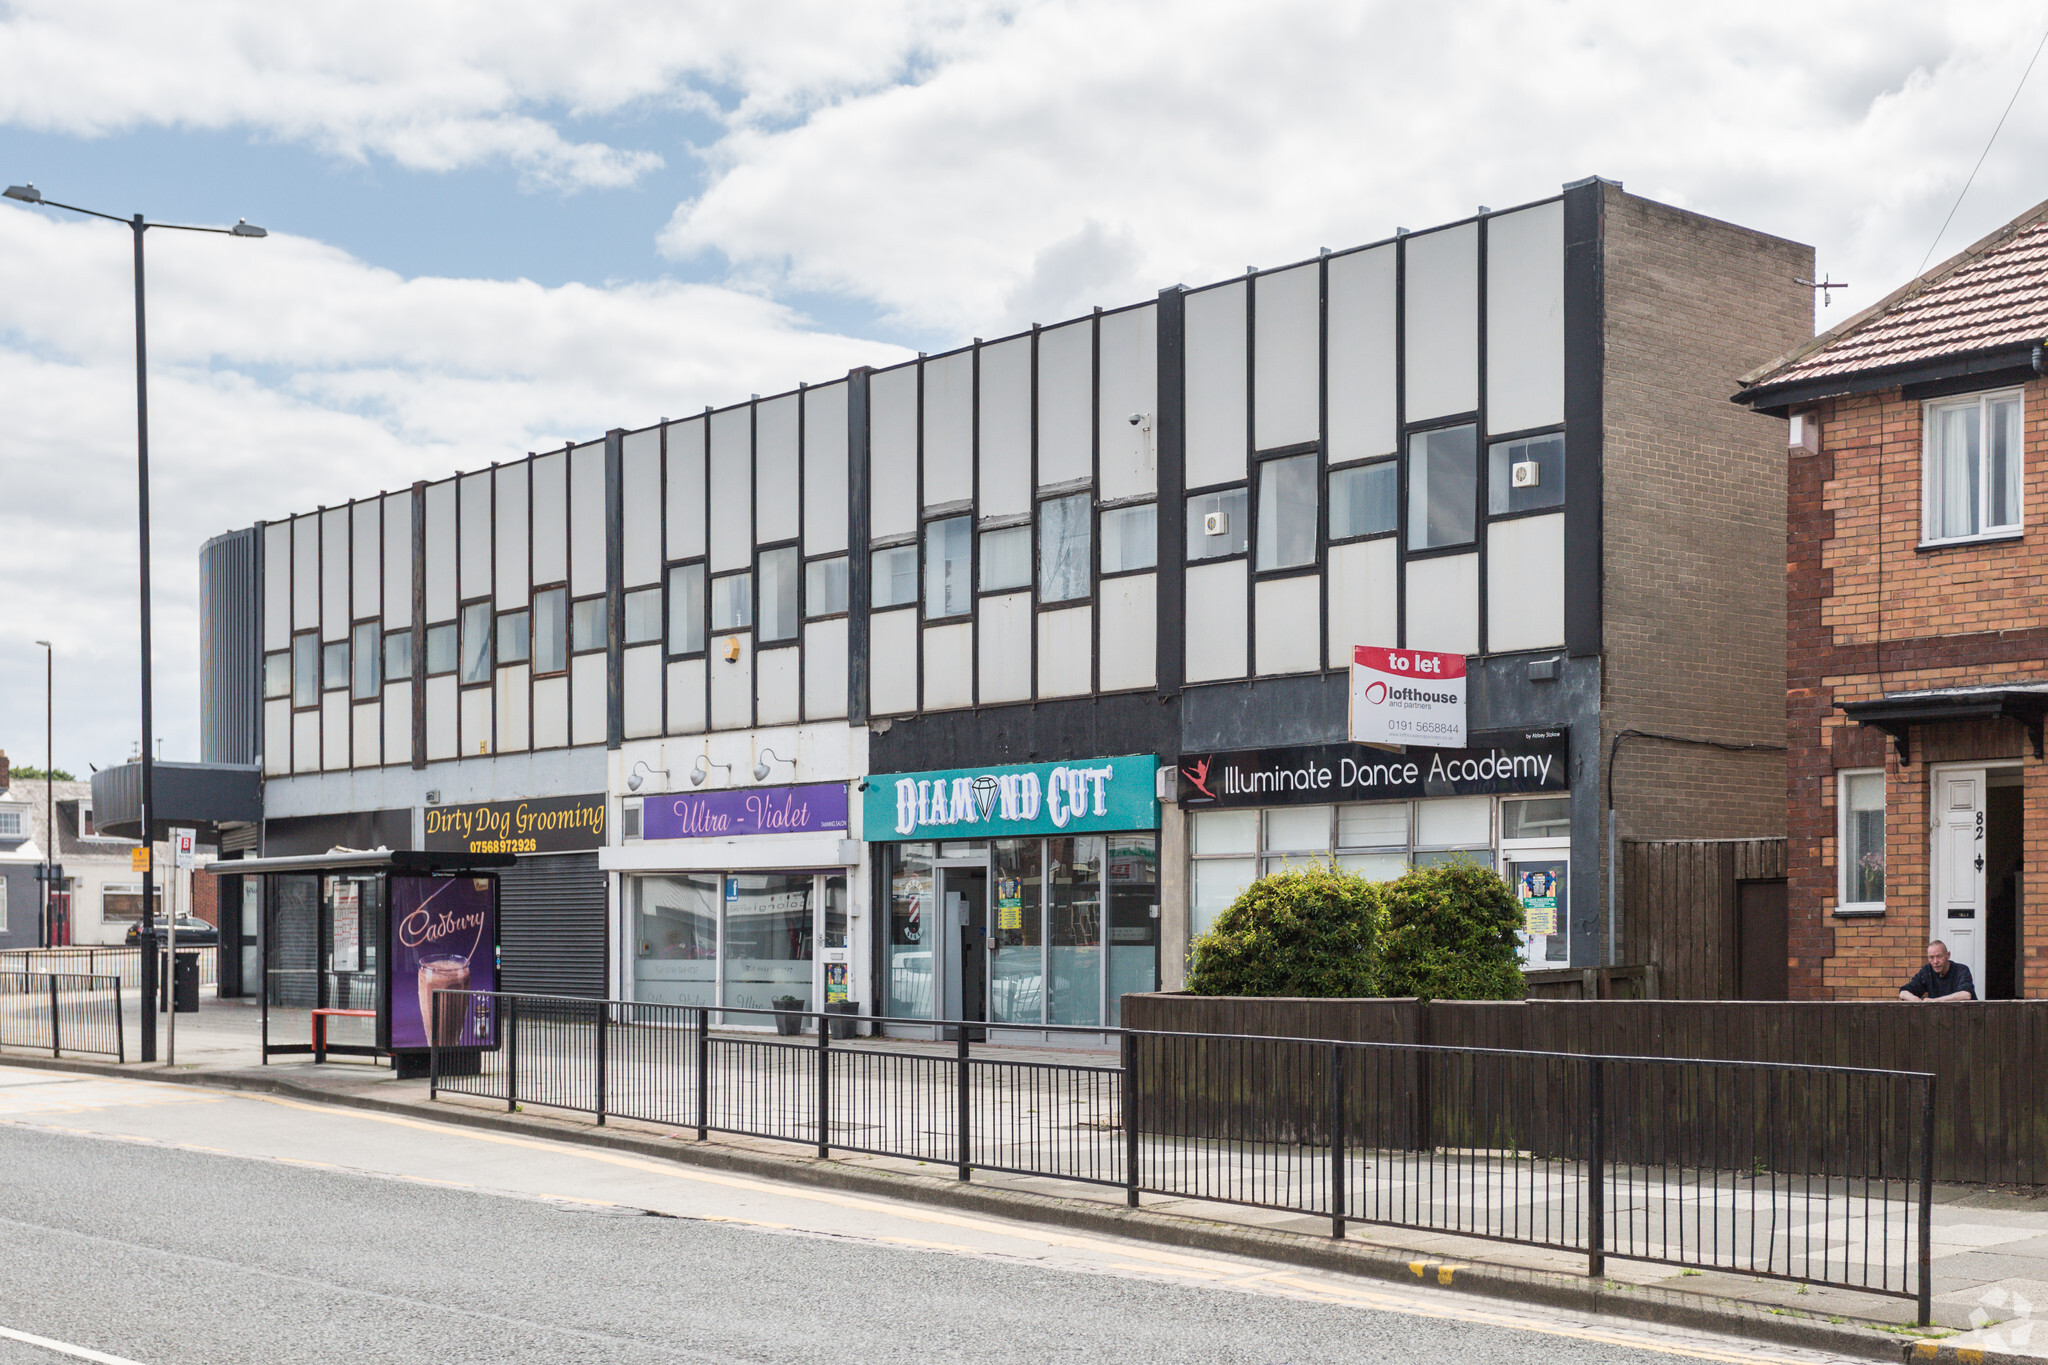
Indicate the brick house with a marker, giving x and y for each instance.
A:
(1916, 654)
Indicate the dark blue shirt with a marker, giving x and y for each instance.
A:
(1929, 984)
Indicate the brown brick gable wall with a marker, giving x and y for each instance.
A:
(1961, 616)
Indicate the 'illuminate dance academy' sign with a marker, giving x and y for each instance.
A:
(1307, 775)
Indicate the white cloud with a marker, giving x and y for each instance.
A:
(286, 375)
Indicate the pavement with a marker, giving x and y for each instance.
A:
(1990, 1246)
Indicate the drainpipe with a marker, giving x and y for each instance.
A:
(2040, 360)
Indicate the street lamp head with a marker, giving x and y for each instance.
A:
(27, 194)
(242, 228)
(44, 643)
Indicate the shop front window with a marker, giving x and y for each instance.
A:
(1016, 978)
(768, 942)
(1074, 929)
(676, 939)
(910, 945)
(1133, 918)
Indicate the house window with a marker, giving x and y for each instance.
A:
(1861, 802)
(778, 595)
(11, 824)
(1006, 559)
(551, 630)
(1130, 538)
(1216, 527)
(686, 609)
(732, 601)
(894, 582)
(1971, 467)
(476, 643)
(398, 656)
(1064, 550)
(643, 616)
(121, 901)
(364, 650)
(1442, 487)
(825, 587)
(1541, 460)
(1287, 512)
(948, 547)
(334, 666)
(513, 640)
(1365, 500)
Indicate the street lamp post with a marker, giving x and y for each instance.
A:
(49, 789)
(29, 194)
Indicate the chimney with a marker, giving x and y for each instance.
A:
(4, 778)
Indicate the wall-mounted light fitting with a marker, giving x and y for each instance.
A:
(703, 768)
(768, 756)
(633, 782)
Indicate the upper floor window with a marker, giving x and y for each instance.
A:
(825, 587)
(1216, 526)
(894, 581)
(1526, 474)
(948, 550)
(1860, 805)
(12, 826)
(550, 624)
(778, 573)
(363, 660)
(1287, 512)
(476, 643)
(1130, 538)
(1443, 488)
(334, 666)
(1971, 466)
(1064, 552)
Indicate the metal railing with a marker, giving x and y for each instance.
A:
(63, 1012)
(1816, 1174)
(122, 961)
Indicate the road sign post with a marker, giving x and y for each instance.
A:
(182, 863)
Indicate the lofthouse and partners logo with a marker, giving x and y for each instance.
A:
(1407, 697)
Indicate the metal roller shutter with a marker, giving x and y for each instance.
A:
(551, 925)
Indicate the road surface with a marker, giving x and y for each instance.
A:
(162, 1224)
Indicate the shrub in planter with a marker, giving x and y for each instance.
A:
(1452, 935)
(1311, 931)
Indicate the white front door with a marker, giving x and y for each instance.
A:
(1959, 866)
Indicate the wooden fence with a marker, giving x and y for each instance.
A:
(1990, 1058)
(1682, 908)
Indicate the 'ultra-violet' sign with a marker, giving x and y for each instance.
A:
(763, 810)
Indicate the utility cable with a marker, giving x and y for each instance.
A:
(1986, 152)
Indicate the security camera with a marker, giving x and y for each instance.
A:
(1137, 417)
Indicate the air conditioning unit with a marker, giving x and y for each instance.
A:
(1527, 474)
(1216, 524)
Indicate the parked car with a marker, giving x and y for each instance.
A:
(192, 932)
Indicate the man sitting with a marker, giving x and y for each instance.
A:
(1943, 978)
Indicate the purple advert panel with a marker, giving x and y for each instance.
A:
(768, 810)
(444, 936)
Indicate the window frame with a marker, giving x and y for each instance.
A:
(813, 561)
(327, 648)
(604, 640)
(374, 628)
(306, 639)
(1476, 486)
(924, 568)
(1250, 515)
(286, 656)
(1255, 509)
(1981, 401)
(499, 635)
(1330, 476)
(384, 654)
(1089, 569)
(795, 556)
(1102, 515)
(1009, 525)
(711, 627)
(427, 652)
(1843, 905)
(916, 598)
(1489, 441)
(670, 596)
(660, 636)
(482, 606)
(533, 597)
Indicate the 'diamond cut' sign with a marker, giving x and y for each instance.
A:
(1407, 696)
(1091, 796)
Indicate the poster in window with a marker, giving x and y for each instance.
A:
(347, 912)
(835, 983)
(1009, 903)
(444, 937)
(1537, 888)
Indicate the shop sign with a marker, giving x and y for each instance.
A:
(1309, 775)
(552, 824)
(1092, 796)
(1407, 696)
(761, 810)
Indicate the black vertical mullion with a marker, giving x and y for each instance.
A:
(1401, 529)
(859, 562)
(802, 584)
(974, 526)
(1095, 529)
(704, 466)
(526, 472)
(753, 558)
(320, 640)
(1031, 510)
(923, 548)
(1323, 462)
(1251, 470)
(660, 559)
(1169, 431)
(614, 587)
(1584, 417)
(419, 624)
(1482, 529)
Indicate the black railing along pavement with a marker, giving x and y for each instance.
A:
(62, 1011)
(1816, 1174)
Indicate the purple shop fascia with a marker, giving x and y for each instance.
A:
(813, 809)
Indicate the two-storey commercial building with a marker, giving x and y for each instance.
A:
(976, 685)
(1917, 662)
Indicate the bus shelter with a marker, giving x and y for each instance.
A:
(354, 945)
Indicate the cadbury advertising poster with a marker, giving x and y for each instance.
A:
(444, 936)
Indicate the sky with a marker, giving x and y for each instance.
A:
(495, 227)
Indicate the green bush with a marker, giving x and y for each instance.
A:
(1452, 935)
(1312, 931)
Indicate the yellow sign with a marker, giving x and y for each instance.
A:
(138, 860)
